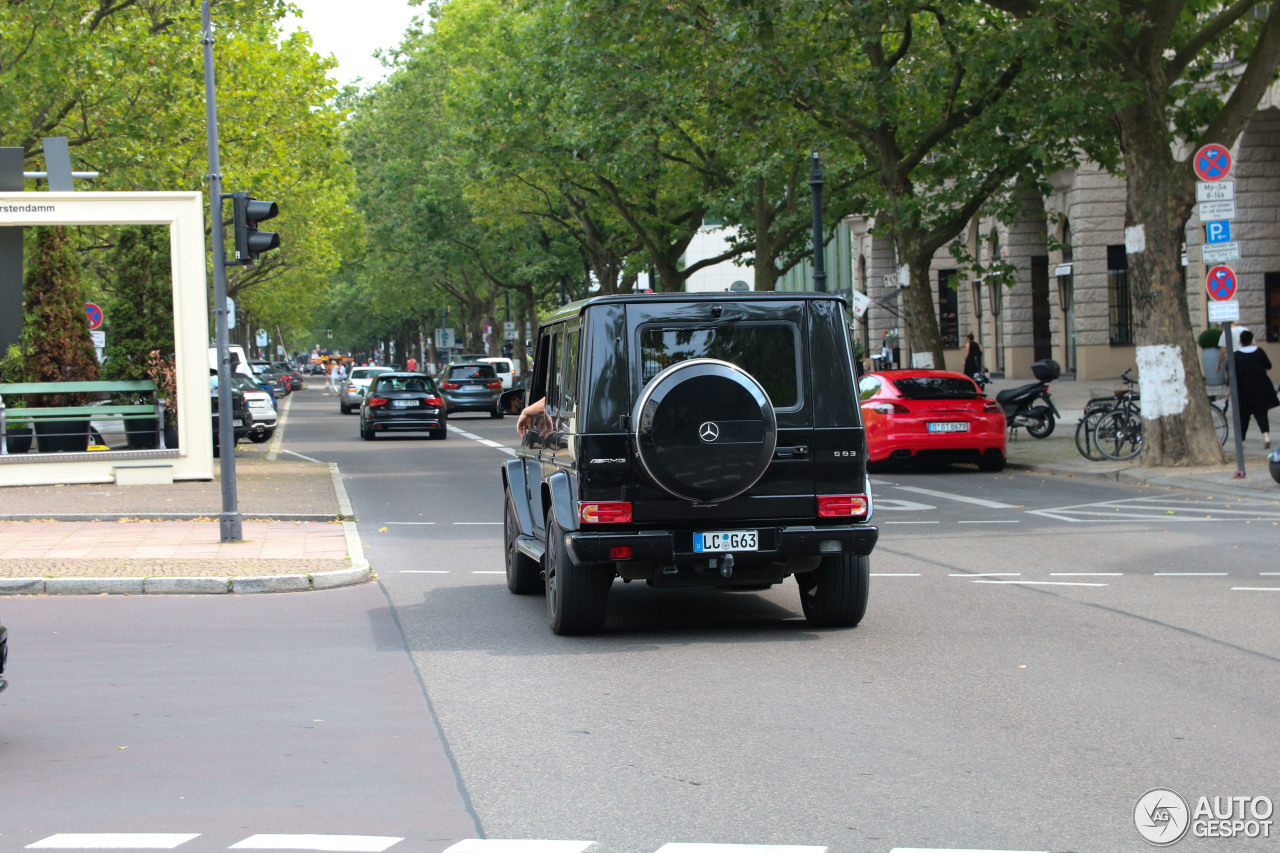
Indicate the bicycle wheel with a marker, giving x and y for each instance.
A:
(1220, 424)
(1086, 443)
(1119, 435)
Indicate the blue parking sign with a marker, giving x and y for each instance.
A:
(1218, 231)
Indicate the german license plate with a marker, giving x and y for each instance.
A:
(949, 426)
(725, 540)
(403, 404)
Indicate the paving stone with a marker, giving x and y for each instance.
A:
(93, 586)
(342, 577)
(187, 586)
(21, 586)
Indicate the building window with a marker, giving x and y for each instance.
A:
(1118, 304)
(948, 310)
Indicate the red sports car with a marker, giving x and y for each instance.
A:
(930, 416)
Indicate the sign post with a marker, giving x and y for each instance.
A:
(1221, 284)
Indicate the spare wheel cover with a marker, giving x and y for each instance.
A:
(705, 430)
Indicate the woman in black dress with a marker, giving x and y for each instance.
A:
(1257, 394)
(972, 358)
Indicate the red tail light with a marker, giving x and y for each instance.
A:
(888, 408)
(378, 401)
(497, 384)
(450, 386)
(991, 407)
(433, 401)
(842, 506)
(605, 512)
(620, 552)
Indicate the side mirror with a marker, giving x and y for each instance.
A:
(512, 402)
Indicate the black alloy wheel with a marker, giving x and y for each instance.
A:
(834, 595)
(523, 572)
(577, 595)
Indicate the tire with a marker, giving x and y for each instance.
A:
(345, 409)
(523, 573)
(258, 436)
(496, 413)
(1086, 430)
(1119, 435)
(834, 595)
(577, 596)
(1220, 424)
(1044, 427)
(367, 431)
(991, 462)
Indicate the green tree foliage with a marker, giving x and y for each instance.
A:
(56, 346)
(139, 315)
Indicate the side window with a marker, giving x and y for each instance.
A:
(554, 368)
(569, 392)
(867, 388)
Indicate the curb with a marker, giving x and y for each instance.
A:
(246, 585)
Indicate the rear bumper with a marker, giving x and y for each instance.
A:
(417, 422)
(776, 543)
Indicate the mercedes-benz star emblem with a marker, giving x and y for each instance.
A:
(708, 432)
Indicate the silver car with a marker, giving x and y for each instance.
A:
(351, 394)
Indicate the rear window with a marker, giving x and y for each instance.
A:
(937, 388)
(405, 383)
(368, 372)
(768, 351)
(472, 371)
(501, 366)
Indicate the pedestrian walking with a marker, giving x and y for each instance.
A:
(411, 365)
(886, 351)
(1256, 390)
(338, 376)
(972, 358)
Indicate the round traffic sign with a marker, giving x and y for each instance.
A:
(1221, 282)
(95, 315)
(1212, 162)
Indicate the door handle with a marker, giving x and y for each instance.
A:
(798, 451)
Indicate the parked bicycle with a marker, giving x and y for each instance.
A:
(1112, 429)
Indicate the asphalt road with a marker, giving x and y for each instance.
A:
(1037, 654)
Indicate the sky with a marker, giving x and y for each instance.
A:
(352, 31)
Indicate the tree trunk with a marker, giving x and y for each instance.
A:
(1177, 429)
(921, 321)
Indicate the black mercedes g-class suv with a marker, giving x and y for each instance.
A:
(691, 440)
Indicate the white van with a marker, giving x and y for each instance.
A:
(505, 368)
(239, 362)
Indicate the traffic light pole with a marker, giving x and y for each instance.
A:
(229, 521)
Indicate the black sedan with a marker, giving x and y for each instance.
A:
(402, 402)
(471, 388)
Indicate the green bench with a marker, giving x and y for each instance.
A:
(101, 412)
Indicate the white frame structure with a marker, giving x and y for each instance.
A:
(183, 213)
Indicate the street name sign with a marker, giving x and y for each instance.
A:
(1221, 191)
(1220, 253)
(1212, 210)
(1223, 312)
(1221, 283)
(1212, 162)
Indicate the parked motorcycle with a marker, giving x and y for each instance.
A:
(1029, 406)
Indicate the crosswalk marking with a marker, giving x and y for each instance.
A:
(113, 841)
(1165, 510)
(950, 497)
(326, 843)
(517, 845)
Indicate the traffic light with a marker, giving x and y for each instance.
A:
(246, 213)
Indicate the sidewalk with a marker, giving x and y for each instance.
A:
(103, 538)
(92, 539)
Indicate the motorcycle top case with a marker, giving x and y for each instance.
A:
(1046, 370)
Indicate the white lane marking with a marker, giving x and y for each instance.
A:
(464, 433)
(300, 456)
(738, 848)
(950, 497)
(113, 841)
(517, 845)
(1269, 574)
(482, 440)
(335, 843)
(954, 850)
(1044, 583)
(1086, 574)
(1190, 574)
(986, 575)
(424, 571)
(907, 522)
(896, 575)
(993, 521)
(899, 506)
(1255, 589)
(488, 442)
(273, 449)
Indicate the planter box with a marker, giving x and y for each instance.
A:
(62, 436)
(18, 440)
